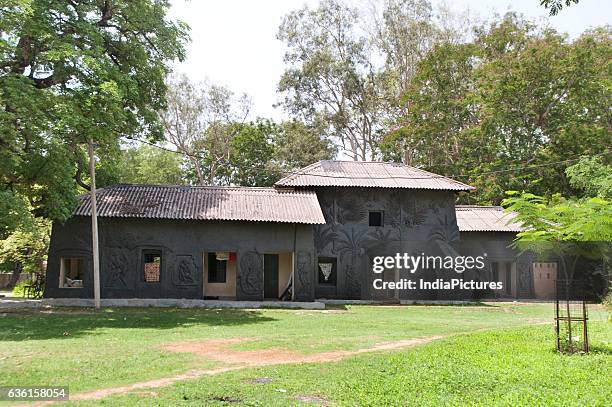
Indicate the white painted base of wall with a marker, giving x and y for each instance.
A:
(155, 302)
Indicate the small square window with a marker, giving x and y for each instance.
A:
(152, 265)
(217, 269)
(375, 218)
(72, 270)
(327, 270)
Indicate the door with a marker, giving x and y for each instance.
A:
(271, 276)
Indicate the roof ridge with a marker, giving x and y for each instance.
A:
(387, 174)
(188, 186)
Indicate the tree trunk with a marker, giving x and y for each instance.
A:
(15, 277)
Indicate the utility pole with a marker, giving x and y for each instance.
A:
(94, 225)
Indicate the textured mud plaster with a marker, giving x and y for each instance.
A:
(181, 244)
(414, 221)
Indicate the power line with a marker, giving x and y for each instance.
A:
(432, 176)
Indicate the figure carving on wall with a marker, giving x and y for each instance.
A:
(350, 210)
(353, 281)
(414, 214)
(303, 271)
(118, 266)
(393, 209)
(250, 274)
(446, 231)
(185, 271)
(324, 235)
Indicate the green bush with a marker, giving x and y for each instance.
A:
(607, 301)
(19, 290)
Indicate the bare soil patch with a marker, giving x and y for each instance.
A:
(217, 350)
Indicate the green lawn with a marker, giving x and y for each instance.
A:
(511, 362)
(509, 367)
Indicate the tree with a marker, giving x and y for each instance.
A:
(71, 71)
(262, 152)
(201, 120)
(572, 228)
(557, 5)
(251, 161)
(25, 248)
(150, 165)
(404, 32)
(592, 176)
(329, 77)
(514, 97)
(297, 145)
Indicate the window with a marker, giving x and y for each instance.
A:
(151, 260)
(72, 270)
(217, 268)
(375, 218)
(327, 270)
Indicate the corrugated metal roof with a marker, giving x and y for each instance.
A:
(473, 218)
(204, 203)
(369, 174)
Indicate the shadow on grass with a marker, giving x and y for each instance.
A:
(598, 349)
(70, 323)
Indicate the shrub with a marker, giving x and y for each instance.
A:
(19, 290)
(607, 301)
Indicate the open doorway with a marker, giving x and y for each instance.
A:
(220, 275)
(278, 270)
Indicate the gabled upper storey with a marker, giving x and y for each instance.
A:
(369, 174)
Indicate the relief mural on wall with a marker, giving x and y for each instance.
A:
(303, 270)
(347, 235)
(123, 254)
(250, 275)
(118, 268)
(184, 274)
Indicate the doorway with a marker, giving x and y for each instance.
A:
(271, 276)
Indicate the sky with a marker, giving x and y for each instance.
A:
(234, 41)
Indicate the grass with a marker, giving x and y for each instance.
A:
(87, 350)
(506, 367)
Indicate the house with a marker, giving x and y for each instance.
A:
(313, 235)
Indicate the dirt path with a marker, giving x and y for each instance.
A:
(218, 350)
(239, 359)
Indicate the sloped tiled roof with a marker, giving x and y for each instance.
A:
(369, 174)
(472, 218)
(204, 203)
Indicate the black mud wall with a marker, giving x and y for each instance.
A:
(498, 247)
(182, 243)
(414, 222)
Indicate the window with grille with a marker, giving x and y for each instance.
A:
(217, 269)
(152, 261)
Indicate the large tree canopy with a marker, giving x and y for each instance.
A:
(513, 97)
(572, 228)
(72, 71)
